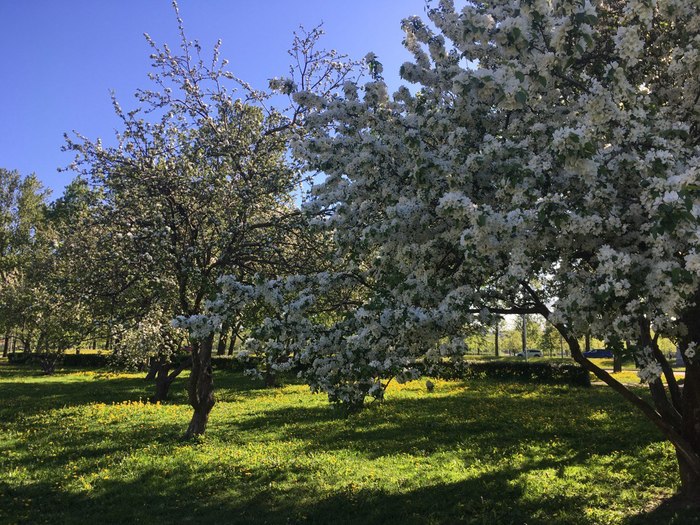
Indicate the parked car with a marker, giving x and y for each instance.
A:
(531, 352)
(599, 352)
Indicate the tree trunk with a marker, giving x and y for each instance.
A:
(6, 344)
(617, 363)
(201, 387)
(164, 378)
(690, 472)
(154, 364)
(690, 480)
(162, 387)
(270, 377)
(162, 383)
(495, 340)
(234, 334)
(221, 346)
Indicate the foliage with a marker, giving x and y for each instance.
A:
(551, 340)
(151, 338)
(41, 305)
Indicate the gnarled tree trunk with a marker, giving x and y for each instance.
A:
(201, 387)
(164, 377)
(679, 424)
(221, 346)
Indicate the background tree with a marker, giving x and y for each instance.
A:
(550, 342)
(200, 185)
(24, 248)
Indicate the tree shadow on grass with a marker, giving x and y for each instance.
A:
(23, 399)
(430, 424)
(58, 453)
(671, 511)
(208, 495)
(25, 392)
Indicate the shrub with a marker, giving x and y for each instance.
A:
(67, 360)
(539, 372)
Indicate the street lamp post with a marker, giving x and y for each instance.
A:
(525, 336)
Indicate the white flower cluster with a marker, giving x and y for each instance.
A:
(649, 368)
(629, 44)
(537, 158)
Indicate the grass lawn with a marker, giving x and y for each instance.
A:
(79, 447)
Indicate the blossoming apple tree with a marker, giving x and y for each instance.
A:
(199, 185)
(547, 161)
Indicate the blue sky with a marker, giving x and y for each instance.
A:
(62, 58)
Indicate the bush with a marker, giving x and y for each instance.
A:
(67, 360)
(228, 362)
(539, 372)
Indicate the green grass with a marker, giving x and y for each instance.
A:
(81, 448)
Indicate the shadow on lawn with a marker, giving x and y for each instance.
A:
(32, 392)
(423, 426)
(31, 397)
(208, 496)
(671, 511)
(212, 495)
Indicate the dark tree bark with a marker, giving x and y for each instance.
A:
(689, 471)
(495, 340)
(680, 427)
(201, 387)
(231, 344)
(6, 344)
(617, 363)
(690, 405)
(270, 377)
(154, 364)
(221, 346)
(164, 373)
(234, 335)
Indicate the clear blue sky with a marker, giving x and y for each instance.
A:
(62, 58)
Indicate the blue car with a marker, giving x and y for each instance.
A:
(600, 352)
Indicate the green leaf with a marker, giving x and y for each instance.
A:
(521, 97)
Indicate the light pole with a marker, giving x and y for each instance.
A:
(525, 336)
